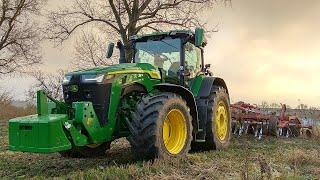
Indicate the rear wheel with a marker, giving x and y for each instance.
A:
(218, 128)
(161, 127)
(88, 151)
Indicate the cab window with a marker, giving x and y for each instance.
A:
(164, 54)
(192, 59)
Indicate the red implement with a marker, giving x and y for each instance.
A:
(248, 118)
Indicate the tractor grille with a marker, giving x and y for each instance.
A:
(97, 93)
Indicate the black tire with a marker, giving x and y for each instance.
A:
(147, 126)
(86, 151)
(218, 95)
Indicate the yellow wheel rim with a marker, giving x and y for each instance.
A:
(174, 131)
(221, 121)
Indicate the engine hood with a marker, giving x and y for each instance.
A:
(123, 68)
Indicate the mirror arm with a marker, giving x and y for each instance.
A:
(121, 48)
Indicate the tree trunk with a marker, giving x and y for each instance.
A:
(129, 52)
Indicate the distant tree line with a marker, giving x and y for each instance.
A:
(301, 106)
(8, 111)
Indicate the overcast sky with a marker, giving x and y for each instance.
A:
(266, 50)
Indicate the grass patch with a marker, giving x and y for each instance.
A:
(246, 158)
(3, 135)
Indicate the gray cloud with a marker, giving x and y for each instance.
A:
(268, 50)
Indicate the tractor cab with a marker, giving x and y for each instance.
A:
(178, 54)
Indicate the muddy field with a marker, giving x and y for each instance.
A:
(246, 158)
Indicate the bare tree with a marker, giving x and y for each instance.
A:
(5, 98)
(8, 110)
(275, 105)
(302, 106)
(90, 51)
(50, 83)
(124, 18)
(264, 105)
(19, 35)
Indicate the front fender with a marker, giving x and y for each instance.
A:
(186, 94)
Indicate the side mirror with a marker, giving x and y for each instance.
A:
(199, 37)
(207, 71)
(110, 50)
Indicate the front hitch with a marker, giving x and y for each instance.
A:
(43, 132)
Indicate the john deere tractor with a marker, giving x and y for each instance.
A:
(163, 99)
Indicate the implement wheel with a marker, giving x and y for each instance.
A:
(161, 127)
(218, 124)
(88, 151)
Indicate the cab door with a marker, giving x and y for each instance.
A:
(192, 62)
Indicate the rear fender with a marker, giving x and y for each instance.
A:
(207, 86)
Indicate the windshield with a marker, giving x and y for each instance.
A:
(164, 54)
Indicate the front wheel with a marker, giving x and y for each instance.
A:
(161, 127)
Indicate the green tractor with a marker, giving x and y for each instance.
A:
(165, 101)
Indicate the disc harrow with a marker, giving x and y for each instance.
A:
(250, 119)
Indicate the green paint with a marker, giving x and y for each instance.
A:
(117, 85)
(38, 133)
(86, 117)
(196, 85)
(119, 68)
(77, 138)
(42, 133)
(199, 37)
(42, 103)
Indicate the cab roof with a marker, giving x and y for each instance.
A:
(174, 33)
(187, 34)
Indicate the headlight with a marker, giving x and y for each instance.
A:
(92, 78)
(66, 79)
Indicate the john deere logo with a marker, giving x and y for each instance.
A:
(73, 88)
